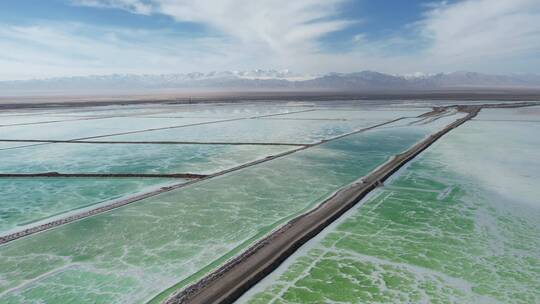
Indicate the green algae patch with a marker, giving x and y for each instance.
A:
(433, 234)
(28, 200)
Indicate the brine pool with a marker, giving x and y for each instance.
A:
(460, 224)
(144, 251)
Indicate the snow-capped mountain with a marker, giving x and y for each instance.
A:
(273, 79)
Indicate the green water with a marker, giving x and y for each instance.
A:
(459, 225)
(131, 158)
(131, 254)
(25, 201)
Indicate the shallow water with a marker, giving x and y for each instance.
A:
(258, 130)
(28, 119)
(131, 254)
(379, 113)
(517, 114)
(228, 111)
(69, 130)
(11, 145)
(458, 225)
(131, 158)
(25, 201)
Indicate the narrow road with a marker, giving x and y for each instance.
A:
(230, 281)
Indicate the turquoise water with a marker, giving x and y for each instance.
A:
(147, 249)
(131, 158)
(27, 200)
(459, 225)
(68, 130)
(255, 130)
(132, 254)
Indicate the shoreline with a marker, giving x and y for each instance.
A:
(375, 97)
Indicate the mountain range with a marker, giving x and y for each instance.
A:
(275, 80)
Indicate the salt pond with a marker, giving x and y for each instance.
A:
(458, 225)
(69, 130)
(131, 254)
(25, 201)
(303, 126)
(253, 130)
(131, 158)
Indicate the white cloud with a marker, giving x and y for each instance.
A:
(49, 50)
(134, 6)
(482, 32)
(483, 35)
(500, 36)
(283, 26)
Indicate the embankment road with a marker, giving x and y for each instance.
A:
(229, 282)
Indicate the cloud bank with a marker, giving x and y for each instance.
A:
(488, 36)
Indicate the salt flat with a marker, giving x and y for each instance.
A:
(458, 225)
(134, 253)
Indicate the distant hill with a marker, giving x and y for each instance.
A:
(274, 80)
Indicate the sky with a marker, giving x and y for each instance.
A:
(55, 38)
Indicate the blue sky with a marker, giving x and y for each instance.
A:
(82, 37)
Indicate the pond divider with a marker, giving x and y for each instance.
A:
(120, 203)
